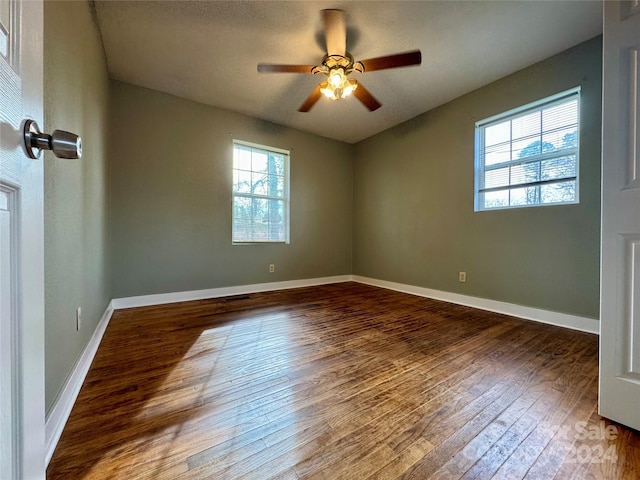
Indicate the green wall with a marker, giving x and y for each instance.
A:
(413, 201)
(170, 176)
(76, 95)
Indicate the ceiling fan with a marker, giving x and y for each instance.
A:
(337, 64)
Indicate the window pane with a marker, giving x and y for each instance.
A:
(260, 218)
(526, 127)
(276, 220)
(527, 148)
(497, 154)
(496, 178)
(556, 168)
(279, 185)
(259, 162)
(518, 196)
(271, 185)
(242, 158)
(558, 192)
(564, 138)
(531, 172)
(258, 183)
(242, 181)
(241, 218)
(570, 139)
(499, 198)
(499, 133)
(525, 196)
(276, 164)
(559, 116)
(520, 174)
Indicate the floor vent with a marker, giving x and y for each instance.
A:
(236, 298)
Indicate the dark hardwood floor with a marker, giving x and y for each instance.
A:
(342, 381)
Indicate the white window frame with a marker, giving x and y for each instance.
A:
(481, 169)
(285, 198)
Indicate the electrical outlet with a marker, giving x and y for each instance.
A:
(462, 277)
(78, 318)
(272, 268)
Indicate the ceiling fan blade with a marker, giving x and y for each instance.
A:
(366, 98)
(406, 59)
(271, 68)
(335, 31)
(311, 100)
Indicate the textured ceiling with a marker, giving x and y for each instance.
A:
(208, 52)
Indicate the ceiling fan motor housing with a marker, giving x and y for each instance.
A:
(341, 61)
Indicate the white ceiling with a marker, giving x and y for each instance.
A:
(208, 52)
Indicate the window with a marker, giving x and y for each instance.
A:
(260, 194)
(529, 156)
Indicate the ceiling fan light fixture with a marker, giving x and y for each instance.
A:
(328, 91)
(349, 88)
(337, 78)
(341, 90)
(338, 85)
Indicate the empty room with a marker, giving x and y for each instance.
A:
(312, 239)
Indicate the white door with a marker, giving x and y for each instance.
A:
(620, 271)
(21, 249)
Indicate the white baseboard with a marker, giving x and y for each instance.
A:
(59, 415)
(573, 322)
(162, 298)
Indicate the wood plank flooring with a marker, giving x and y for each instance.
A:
(342, 381)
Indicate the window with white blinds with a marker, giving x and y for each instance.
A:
(260, 194)
(529, 156)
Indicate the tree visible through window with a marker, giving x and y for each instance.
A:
(529, 156)
(260, 194)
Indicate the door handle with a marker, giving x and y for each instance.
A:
(64, 144)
